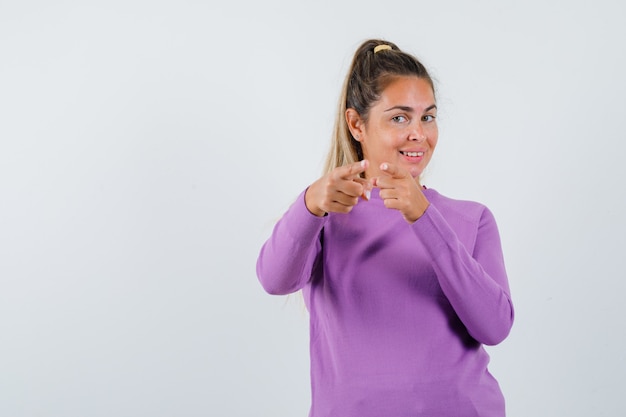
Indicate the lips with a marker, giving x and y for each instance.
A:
(412, 154)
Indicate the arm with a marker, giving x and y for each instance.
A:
(286, 261)
(475, 284)
(287, 258)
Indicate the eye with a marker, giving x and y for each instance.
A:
(399, 119)
(429, 117)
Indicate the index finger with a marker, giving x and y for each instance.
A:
(393, 170)
(352, 171)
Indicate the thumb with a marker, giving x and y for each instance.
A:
(393, 170)
(367, 187)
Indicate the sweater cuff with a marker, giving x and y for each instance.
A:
(299, 218)
(433, 230)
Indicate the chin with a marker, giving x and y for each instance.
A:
(415, 172)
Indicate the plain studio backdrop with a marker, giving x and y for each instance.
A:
(148, 147)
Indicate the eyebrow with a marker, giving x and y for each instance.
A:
(410, 109)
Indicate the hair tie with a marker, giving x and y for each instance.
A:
(381, 48)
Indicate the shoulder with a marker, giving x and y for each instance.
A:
(468, 219)
(470, 211)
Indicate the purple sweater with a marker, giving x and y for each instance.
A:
(398, 312)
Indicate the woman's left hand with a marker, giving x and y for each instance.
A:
(400, 191)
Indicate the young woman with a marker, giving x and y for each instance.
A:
(403, 285)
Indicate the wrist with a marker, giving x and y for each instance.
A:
(421, 212)
(311, 206)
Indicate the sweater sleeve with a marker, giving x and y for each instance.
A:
(287, 258)
(475, 283)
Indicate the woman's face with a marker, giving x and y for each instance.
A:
(401, 128)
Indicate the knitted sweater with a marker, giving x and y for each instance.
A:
(398, 312)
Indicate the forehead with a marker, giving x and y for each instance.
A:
(407, 92)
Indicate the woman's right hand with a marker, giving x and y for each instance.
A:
(339, 190)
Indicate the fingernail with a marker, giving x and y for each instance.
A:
(368, 194)
(363, 163)
(384, 166)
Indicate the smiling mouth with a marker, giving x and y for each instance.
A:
(413, 154)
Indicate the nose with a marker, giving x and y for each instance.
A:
(417, 133)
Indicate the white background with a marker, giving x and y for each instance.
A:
(148, 147)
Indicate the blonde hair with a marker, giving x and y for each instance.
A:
(373, 67)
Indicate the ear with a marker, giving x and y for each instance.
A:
(355, 124)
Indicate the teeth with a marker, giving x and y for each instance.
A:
(413, 153)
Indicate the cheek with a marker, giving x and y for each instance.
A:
(433, 139)
(433, 144)
(380, 144)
